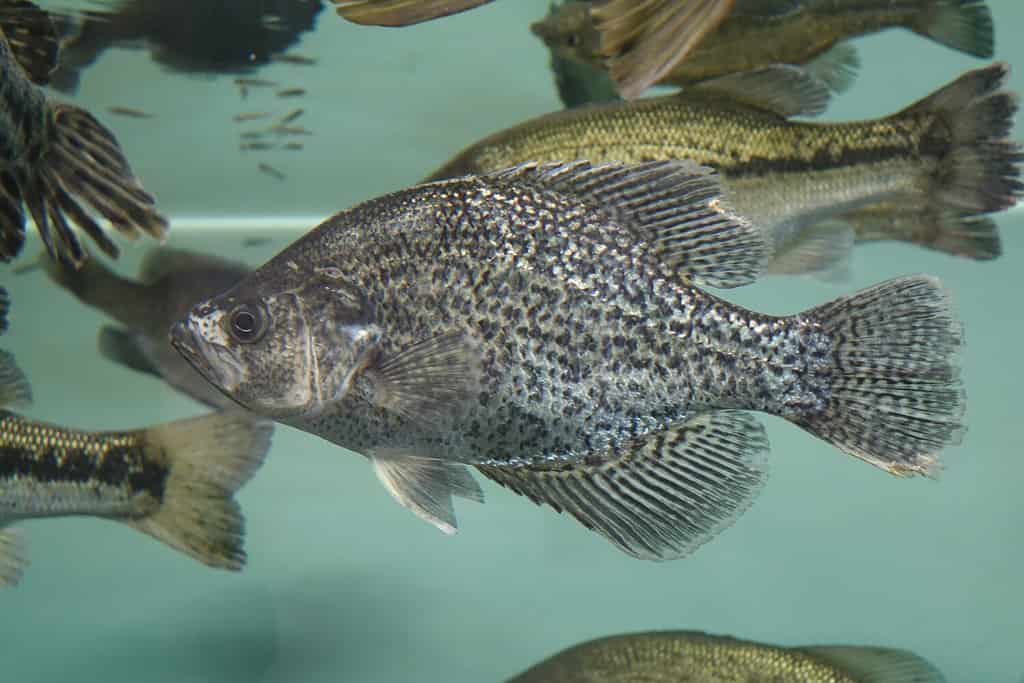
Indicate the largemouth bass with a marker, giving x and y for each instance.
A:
(547, 325)
(56, 159)
(761, 33)
(170, 282)
(175, 481)
(950, 151)
(704, 658)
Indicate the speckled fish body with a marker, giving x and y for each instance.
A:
(673, 656)
(547, 325)
(950, 150)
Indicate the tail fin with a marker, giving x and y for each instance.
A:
(210, 458)
(960, 234)
(964, 25)
(894, 396)
(976, 166)
(84, 165)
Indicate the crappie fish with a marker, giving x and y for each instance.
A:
(794, 179)
(56, 159)
(546, 325)
(761, 33)
(185, 36)
(170, 281)
(641, 40)
(705, 658)
(175, 481)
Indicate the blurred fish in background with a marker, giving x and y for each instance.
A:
(761, 33)
(190, 36)
(679, 656)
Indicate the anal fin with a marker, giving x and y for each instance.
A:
(13, 556)
(426, 486)
(663, 497)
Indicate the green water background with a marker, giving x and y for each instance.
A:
(345, 585)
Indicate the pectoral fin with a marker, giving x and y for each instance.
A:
(665, 495)
(123, 348)
(32, 37)
(426, 486)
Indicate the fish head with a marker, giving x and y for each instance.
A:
(282, 352)
(568, 31)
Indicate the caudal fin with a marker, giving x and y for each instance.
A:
(964, 25)
(893, 396)
(972, 165)
(82, 172)
(210, 458)
(953, 232)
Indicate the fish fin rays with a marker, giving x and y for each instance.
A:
(964, 25)
(426, 486)
(15, 390)
(876, 664)
(5, 308)
(428, 380)
(824, 250)
(667, 494)
(12, 218)
(956, 233)
(13, 556)
(209, 459)
(782, 89)
(32, 37)
(675, 205)
(837, 67)
(123, 347)
(401, 12)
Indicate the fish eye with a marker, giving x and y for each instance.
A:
(572, 40)
(247, 324)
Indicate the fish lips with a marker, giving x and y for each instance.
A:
(198, 353)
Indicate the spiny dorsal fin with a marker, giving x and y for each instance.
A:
(664, 495)
(876, 664)
(32, 37)
(783, 89)
(675, 205)
(160, 262)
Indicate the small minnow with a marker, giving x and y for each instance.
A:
(291, 92)
(291, 130)
(292, 58)
(256, 241)
(253, 134)
(550, 326)
(175, 481)
(131, 113)
(255, 146)
(271, 171)
(291, 116)
(294, 145)
(251, 116)
(255, 83)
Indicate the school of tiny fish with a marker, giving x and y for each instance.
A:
(548, 309)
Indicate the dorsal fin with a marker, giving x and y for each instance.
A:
(162, 261)
(32, 37)
(781, 88)
(674, 205)
(876, 664)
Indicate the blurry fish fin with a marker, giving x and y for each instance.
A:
(5, 308)
(837, 68)
(162, 261)
(209, 458)
(15, 390)
(401, 12)
(824, 249)
(876, 664)
(13, 556)
(122, 347)
(953, 232)
(84, 165)
(964, 25)
(12, 218)
(32, 36)
(675, 205)
(427, 380)
(645, 39)
(979, 167)
(895, 398)
(663, 497)
(783, 89)
(766, 8)
(426, 486)
(579, 84)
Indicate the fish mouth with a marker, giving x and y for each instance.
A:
(185, 342)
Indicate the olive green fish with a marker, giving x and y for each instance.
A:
(641, 40)
(803, 182)
(761, 33)
(169, 282)
(56, 159)
(548, 326)
(175, 481)
(695, 657)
